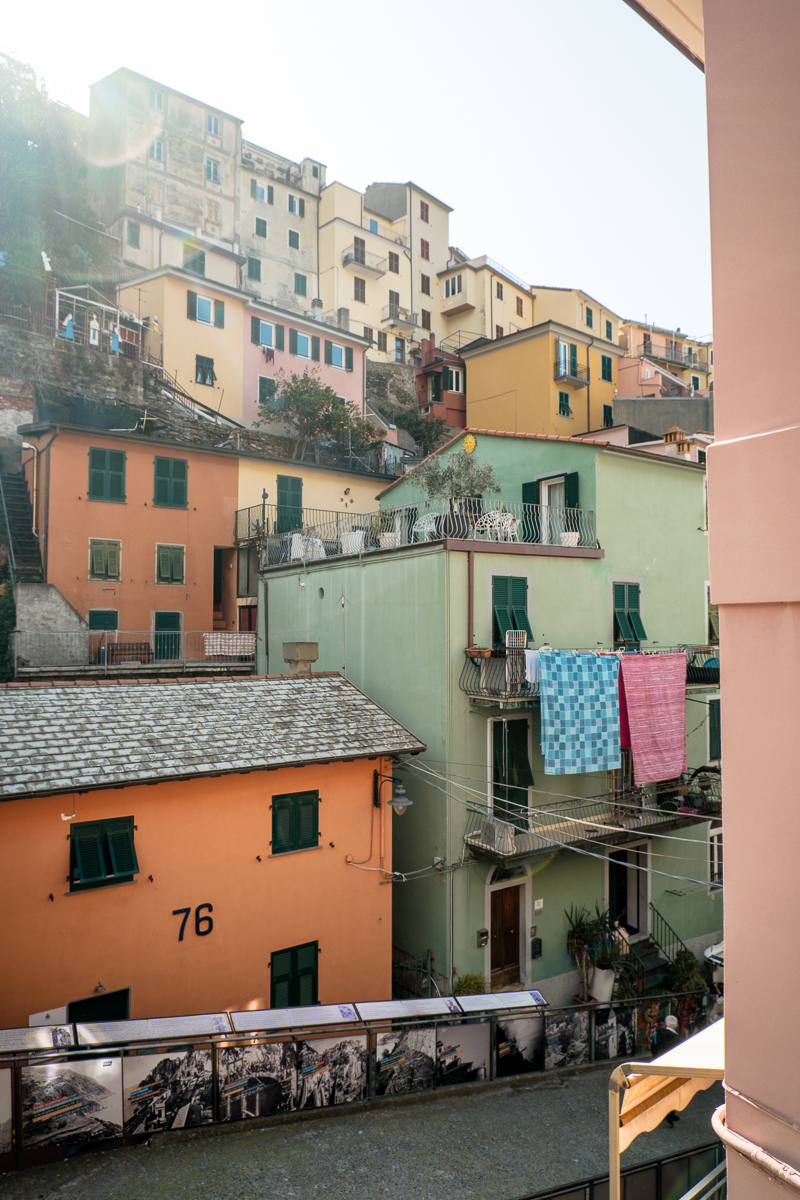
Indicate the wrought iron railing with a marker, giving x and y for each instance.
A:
(101, 651)
(664, 936)
(500, 678)
(681, 356)
(702, 664)
(563, 369)
(290, 534)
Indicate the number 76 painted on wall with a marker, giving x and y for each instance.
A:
(203, 924)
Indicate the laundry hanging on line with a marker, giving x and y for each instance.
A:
(654, 690)
(579, 697)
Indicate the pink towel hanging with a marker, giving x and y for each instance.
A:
(655, 699)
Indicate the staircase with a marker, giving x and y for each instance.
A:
(26, 558)
(654, 954)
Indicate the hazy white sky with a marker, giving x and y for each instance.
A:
(568, 137)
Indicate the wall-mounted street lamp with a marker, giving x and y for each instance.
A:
(399, 801)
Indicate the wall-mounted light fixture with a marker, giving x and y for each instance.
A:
(399, 801)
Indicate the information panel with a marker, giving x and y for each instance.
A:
(389, 1010)
(39, 1037)
(157, 1029)
(501, 1000)
(293, 1018)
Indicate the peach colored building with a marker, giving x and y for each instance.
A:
(195, 846)
(753, 103)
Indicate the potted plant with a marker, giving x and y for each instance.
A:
(457, 478)
(587, 937)
(478, 652)
(605, 972)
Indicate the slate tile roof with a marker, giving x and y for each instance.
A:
(89, 735)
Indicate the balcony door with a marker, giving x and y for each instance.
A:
(628, 900)
(552, 494)
(290, 503)
(505, 936)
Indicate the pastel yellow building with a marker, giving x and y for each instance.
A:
(480, 299)
(664, 362)
(551, 378)
(577, 309)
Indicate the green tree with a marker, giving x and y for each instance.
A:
(427, 432)
(456, 476)
(317, 417)
(43, 182)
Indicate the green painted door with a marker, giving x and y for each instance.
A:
(168, 634)
(290, 503)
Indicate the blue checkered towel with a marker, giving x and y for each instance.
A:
(580, 711)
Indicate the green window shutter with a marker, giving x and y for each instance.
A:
(178, 572)
(191, 305)
(519, 604)
(98, 559)
(255, 331)
(571, 482)
(253, 187)
(116, 475)
(270, 194)
(520, 773)
(219, 314)
(328, 352)
(348, 358)
(293, 341)
(499, 771)
(573, 360)
(315, 349)
(301, 207)
(120, 847)
(164, 565)
(89, 864)
(609, 332)
(112, 560)
(436, 387)
(278, 337)
(180, 481)
(161, 481)
(306, 973)
(281, 978)
(530, 492)
(714, 732)
(606, 371)
(589, 317)
(97, 473)
(633, 612)
(103, 618)
(307, 807)
(624, 631)
(282, 825)
(446, 381)
(502, 621)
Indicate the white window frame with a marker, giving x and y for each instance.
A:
(265, 234)
(109, 578)
(212, 125)
(715, 858)
(452, 286)
(213, 170)
(340, 366)
(456, 380)
(205, 300)
(156, 150)
(292, 202)
(373, 225)
(696, 382)
(270, 329)
(156, 100)
(431, 398)
(296, 233)
(307, 340)
(173, 582)
(261, 193)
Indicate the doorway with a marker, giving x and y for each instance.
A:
(627, 889)
(505, 938)
(168, 634)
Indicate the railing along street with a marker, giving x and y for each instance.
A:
(101, 651)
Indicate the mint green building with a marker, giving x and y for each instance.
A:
(587, 546)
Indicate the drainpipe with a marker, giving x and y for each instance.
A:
(471, 597)
(588, 388)
(28, 446)
(491, 305)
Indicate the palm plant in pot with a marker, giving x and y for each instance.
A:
(588, 937)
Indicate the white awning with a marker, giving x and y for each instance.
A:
(641, 1094)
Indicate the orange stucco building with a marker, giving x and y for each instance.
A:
(194, 846)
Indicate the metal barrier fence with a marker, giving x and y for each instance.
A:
(101, 650)
(696, 1174)
(119, 1082)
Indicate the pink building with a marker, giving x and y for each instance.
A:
(645, 377)
(276, 340)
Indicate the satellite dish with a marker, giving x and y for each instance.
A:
(275, 404)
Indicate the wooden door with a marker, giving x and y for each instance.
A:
(505, 936)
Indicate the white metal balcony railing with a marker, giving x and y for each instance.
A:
(99, 651)
(678, 355)
(289, 535)
(399, 317)
(364, 261)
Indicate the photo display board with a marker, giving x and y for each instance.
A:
(257, 1081)
(75, 1101)
(519, 1044)
(429, 1006)
(405, 1061)
(566, 1039)
(293, 1018)
(6, 1127)
(501, 1000)
(37, 1037)
(462, 1053)
(157, 1029)
(331, 1070)
(167, 1091)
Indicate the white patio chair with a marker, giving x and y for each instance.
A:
(423, 527)
(500, 526)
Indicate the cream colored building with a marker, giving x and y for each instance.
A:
(480, 299)
(663, 361)
(578, 310)
(380, 254)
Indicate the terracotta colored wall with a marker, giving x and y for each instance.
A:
(67, 520)
(753, 90)
(198, 840)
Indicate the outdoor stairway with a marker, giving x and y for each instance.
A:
(653, 965)
(25, 544)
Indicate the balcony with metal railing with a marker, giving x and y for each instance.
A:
(395, 316)
(565, 371)
(498, 678)
(120, 652)
(364, 262)
(288, 534)
(678, 355)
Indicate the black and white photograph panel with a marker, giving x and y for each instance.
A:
(331, 1071)
(462, 1053)
(405, 1061)
(566, 1039)
(77, 1101)
(519, 1045)
(615, 1032)
(171, 1090)
(6, 1127)
(256, 1081)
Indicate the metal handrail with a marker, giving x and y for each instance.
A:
(396, 312)
(12, 562)
(664, 936)
(564, 370)
(97, 650)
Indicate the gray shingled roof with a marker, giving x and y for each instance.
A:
(81, 736)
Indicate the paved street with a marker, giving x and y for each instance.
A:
(501, 1142)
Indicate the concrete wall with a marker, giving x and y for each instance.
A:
(657, 414)
(197, 842)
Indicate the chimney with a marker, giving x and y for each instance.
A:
(316, 309)
(300, 656)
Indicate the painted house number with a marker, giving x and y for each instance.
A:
(203, 924)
